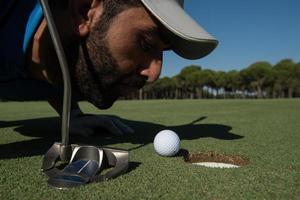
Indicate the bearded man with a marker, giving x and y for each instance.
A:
(113, 47)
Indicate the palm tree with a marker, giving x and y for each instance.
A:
(233, 82)
(187, 80)
(285, 76)
(259, 75)
(219, 81)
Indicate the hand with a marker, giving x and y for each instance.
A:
(86, 124)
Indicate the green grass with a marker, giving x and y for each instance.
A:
(265, 131)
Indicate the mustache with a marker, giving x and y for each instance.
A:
(110, 74)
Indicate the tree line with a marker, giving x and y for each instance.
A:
(259, 80)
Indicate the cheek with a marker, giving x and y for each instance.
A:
(125, 50)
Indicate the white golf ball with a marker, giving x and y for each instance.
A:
(166, 143)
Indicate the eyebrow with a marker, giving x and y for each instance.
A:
(151, 31)
(155, 32)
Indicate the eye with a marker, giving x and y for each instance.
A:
(146, 46)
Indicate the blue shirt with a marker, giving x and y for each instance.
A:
(19, 20)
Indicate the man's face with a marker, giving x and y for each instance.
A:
(120, 59)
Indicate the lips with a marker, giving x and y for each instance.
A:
(131, 83)
(134, 81)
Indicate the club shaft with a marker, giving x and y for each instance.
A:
(65, 72)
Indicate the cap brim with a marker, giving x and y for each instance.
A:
(188, 39)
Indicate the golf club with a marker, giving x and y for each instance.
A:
(84, 162)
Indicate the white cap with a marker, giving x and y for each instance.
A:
(188, 39)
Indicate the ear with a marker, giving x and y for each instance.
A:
(86, 13)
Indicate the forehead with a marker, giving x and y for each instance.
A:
(137, 17)
(139, 20)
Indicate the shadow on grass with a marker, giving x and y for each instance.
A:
(46, 131)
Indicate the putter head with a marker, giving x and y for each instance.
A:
(85, 166)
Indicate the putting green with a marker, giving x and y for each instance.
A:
(267, 132)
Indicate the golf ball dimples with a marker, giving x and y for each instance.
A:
(166, 143)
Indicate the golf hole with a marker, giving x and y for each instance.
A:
(216, 160)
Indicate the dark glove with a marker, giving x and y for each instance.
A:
(86, 124)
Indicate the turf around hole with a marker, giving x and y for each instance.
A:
(265, 131)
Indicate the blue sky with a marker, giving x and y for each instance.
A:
(248, 31)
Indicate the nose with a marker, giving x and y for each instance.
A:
(152, 69)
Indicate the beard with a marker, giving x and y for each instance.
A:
(97, 75)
